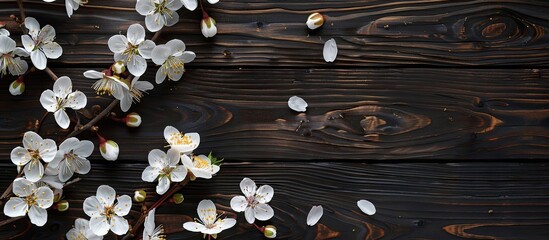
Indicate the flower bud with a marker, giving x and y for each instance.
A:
(57, 194)
(132, 120)
(139, 195)
(315, 21)
(109, 150)
(270, 231)
(17, 87)
(178, 198)
(118, 68)
(63, 205)
(208, 27)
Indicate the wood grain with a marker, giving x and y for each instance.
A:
(368, 32)
(353, 114)
(414, 201)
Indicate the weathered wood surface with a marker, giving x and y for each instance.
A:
(414, 201)
(369, 33)
(353, 114)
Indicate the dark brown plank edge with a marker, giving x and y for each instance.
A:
(414, 201)
(353, 114)
(369, 33)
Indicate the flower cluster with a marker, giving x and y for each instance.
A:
(44, 170)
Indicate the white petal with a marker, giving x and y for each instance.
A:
(190, 4)
(119, 225)
(123, 206)
(62, 87)
(145, 48)
(160, 76)
(249, 215)
(173, 157)
(48, 100)
(4, 32)
(263, 212)
(187, 56)
(137, 65)
(52, 50)
(187, 162)
(92, 206)
(27, 42)
(23, 187)
(68, 7)
(62, 118)
(92, 74)
(99, 225)
(19, 67)
(160, 53)
(179, 173)
(106, 195)
(149, 222)
(32, 140)
(176, 47)
(118, 43)
(47, 150)
(174, 5)
(314, 215)
(330, 50)
(83, 166)
(52, 181)
(225, 223)
(200, 172)
(154, 22)
(239, 203)
(38, 216)
(248, 187)
(16, 207)
(157, 158)
(206, 211)
(34, 171)
(126, 101)
(32, 25)
(171, 19)
(47, 34)
(21, 52)
(213, 1)
(6, 44)
(142, 85)
(264, 194)
(20, 156)
(366, 207)
(169, 131)
(145, 7)
(297, 104)
(194, 227)
(81, 224)
(84, 149)
(76, 100)
(66, 171)
(39, 59)
(136, 34)
(69, 144)
(44, 197)
(163, 185)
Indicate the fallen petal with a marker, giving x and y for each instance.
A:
(314, 215)
(366, 207)
(297, 104)
(330, 50)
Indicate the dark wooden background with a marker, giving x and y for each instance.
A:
(436, 111)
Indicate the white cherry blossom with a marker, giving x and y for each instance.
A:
(133, 49)
(71, 158)
(208, 27)
(165, 168)
(209, 222)
(39, 43)
(105, 84)
(254, 202)
(172, 58)
(184, 143)
(149, 230)
(34, 149)
(10, 60)
(200, 166)
(82, 231)
(105, 214)
(159, 13)
(134, 93)
(31, 200)
(192, 4)
(60, 98)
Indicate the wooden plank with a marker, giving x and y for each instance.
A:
(353, 114)
(414, 201)
(368, 32)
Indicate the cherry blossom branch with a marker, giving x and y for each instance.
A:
(21, 9)
(159, 202)
(51, 74)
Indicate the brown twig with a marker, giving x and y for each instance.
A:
(51, 73)
(96, 119)
(21, 10)
(41, 121)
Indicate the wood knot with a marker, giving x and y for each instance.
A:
(371, 123)
(494, 30)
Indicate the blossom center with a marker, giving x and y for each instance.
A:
(167, 170)
(162, 8)
(106, 85)
(200, 162)
(109, 212)
(31, 200)
(180, 139)
(251, 201)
